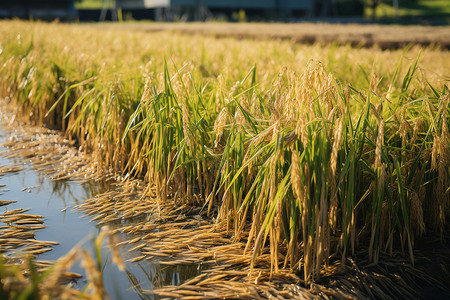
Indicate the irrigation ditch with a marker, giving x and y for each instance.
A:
(42, 222)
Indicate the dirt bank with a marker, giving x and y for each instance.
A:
(364, 35)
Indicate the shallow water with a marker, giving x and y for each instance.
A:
(68, 227)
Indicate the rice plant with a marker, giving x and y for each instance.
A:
(300, 163)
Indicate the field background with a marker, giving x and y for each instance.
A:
(382, 36)
(301, 152)
(407, 8)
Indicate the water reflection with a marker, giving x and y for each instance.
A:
(159, 276)
(68, 227)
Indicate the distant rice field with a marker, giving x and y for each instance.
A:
(358, 35)
(316, 149)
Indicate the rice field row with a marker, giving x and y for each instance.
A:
(318, 150)
(367, 35)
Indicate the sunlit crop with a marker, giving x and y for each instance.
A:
(321, 149)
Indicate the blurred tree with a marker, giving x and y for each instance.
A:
(325, 8)
(350, 8)
(373, 4)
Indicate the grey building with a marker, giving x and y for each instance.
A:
(196, 7)
(235, 4)
(43, 9)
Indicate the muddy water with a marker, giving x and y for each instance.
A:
(55, 200)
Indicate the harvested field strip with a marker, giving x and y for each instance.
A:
(362, 35)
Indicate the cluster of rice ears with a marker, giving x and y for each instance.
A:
(315, 165)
